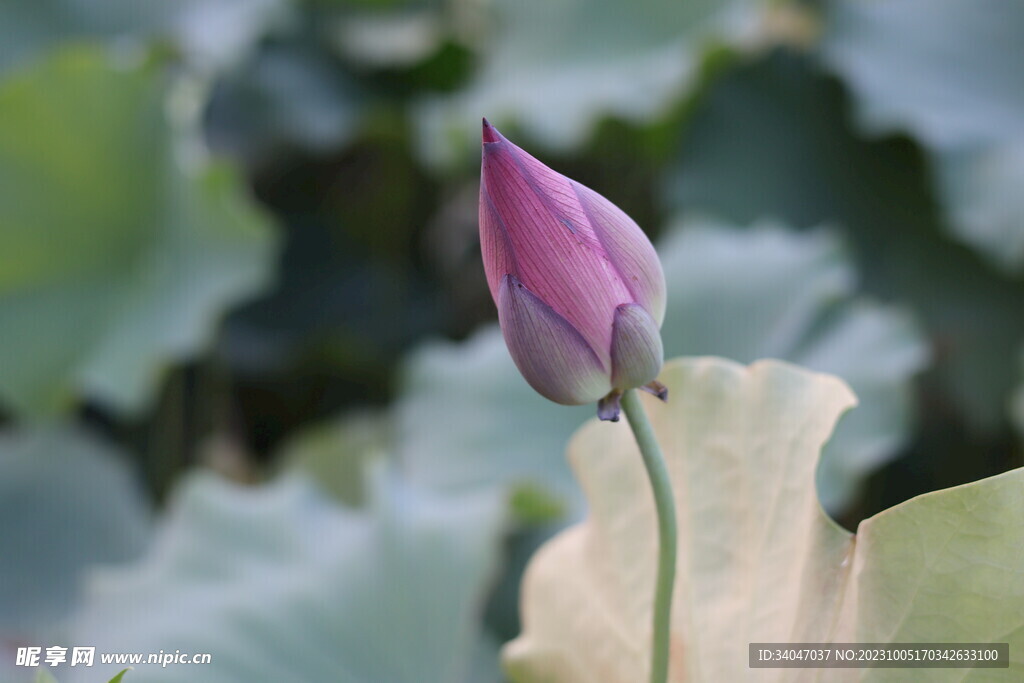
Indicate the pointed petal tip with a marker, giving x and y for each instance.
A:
(490, 133)
(609, 407)
(657, 389)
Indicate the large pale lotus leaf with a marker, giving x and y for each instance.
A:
(773, 138)
(555, 68)
(744, 294)
(952, 74)
(759, 561)
(114, 260)
(278, 583)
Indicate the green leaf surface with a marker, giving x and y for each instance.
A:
(772, 138)
(114, 259)
(759, 561)
(950, 73)
(467, 418)
(555, 68)
(120, 675)
(278, 583)
(67, 502)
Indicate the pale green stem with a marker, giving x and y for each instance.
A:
(665, 507)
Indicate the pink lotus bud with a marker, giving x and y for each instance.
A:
(579, 288)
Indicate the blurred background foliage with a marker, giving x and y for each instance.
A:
(254, 401)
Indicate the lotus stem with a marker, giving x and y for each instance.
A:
(665, 508)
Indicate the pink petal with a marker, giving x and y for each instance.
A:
(495, 244)
(533, 225)
(550, 353)
(637, 353)
(629, 250)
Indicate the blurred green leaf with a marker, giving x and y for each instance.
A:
(1017, 402)
(327, 336)
(467, 418)
(952, 74)
(758, 559)
(44, 676)
(482, 665)
(533, 505)
(114, 260)
(68, 503)
(120, 675)
(556, 68)
(772, 138)
(278, 583)
(403, 36)
(216, 35)
(949, 71)
(29, 29)
(211, 35)
(980, 190)
(286, 97)
(337, 453)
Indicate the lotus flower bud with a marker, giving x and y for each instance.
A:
(579, 288)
